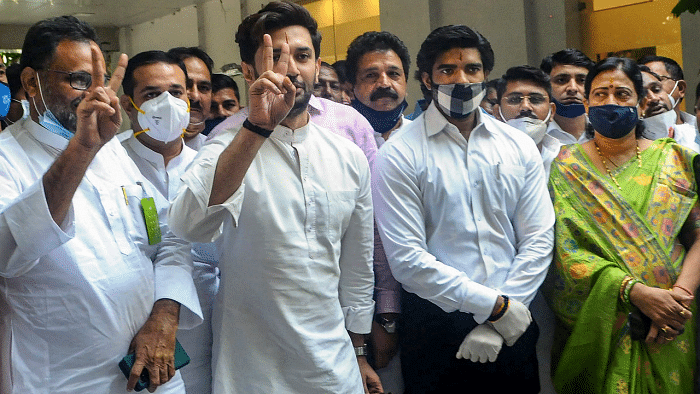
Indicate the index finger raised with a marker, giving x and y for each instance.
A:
(283, 62)
(98, 67)
(268, 60)
(118, 74)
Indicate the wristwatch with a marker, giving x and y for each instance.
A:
(389, 325)
(361, 350)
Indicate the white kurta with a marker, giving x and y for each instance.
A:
(74, 296)
(296, 262)
(196, 341)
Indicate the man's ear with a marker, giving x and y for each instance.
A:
(29, 81)
(126, 104)
(682, 86)
(553, 109)
(318, 69)
(425, 78)
(585, 105)
(248, 72)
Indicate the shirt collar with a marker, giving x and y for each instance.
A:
(316, 106)
(435, 121)
(152, 156)
(285, 134)
(44, 136)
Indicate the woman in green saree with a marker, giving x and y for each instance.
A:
(628, 222)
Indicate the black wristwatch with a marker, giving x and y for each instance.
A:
(389, 325)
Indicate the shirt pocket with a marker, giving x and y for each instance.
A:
(503, 191)
(339, 206)
(129, 227)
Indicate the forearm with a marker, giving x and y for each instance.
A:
(63, 178)
(689, 277)
(233, 165)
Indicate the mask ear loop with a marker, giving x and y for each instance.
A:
(141, 111)
(38, 82)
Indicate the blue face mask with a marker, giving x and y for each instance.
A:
(570, 110)
(613, 121)
(48, 119)
(381, 121)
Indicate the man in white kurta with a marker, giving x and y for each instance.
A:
(296, 227)
(80, 285)
(162, 157)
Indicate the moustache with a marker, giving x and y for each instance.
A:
(298, 83)
(195, 105)
(383, 92)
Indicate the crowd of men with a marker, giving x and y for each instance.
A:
(276, 242)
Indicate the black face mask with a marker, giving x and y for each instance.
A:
(381, 121)
(613, 121)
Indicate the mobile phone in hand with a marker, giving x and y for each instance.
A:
(181, 359)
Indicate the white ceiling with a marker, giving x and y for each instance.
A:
(115, 13)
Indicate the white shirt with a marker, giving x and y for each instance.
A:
(563, 136)
(689, 119)
(550, 150)
(196, 142)
(296, 262)
(75, 295)
(196, 341)
(464, 222)
(686, 134)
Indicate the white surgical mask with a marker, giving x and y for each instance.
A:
(535, 128)
(659, 126)
(163, 118)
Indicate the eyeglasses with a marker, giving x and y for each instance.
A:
(79, 80)
(517, 99)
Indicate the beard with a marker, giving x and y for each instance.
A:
(301, 102)
(64, 113)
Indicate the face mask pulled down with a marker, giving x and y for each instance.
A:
(48, 120)
(163, 118)
(458, 100)
(533, 127)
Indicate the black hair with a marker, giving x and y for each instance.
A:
(569, 57)
(672, 67)
(223, 81)
(493, 84)
(697, 94)
(442, 40)
(339, 67)
(274, 16)
(13, 73)
(144, 59)
(631, 70)
(44, 36)
(184, 53)
(524, 73)
(374, 41)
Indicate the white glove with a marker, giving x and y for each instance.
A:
(482, 344)
(514, 322)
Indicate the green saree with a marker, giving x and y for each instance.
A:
(602, 234)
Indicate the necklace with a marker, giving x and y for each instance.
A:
(602, 158)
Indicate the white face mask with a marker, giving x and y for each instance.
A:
(659, 126)
(163, 118)
(535, 128)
